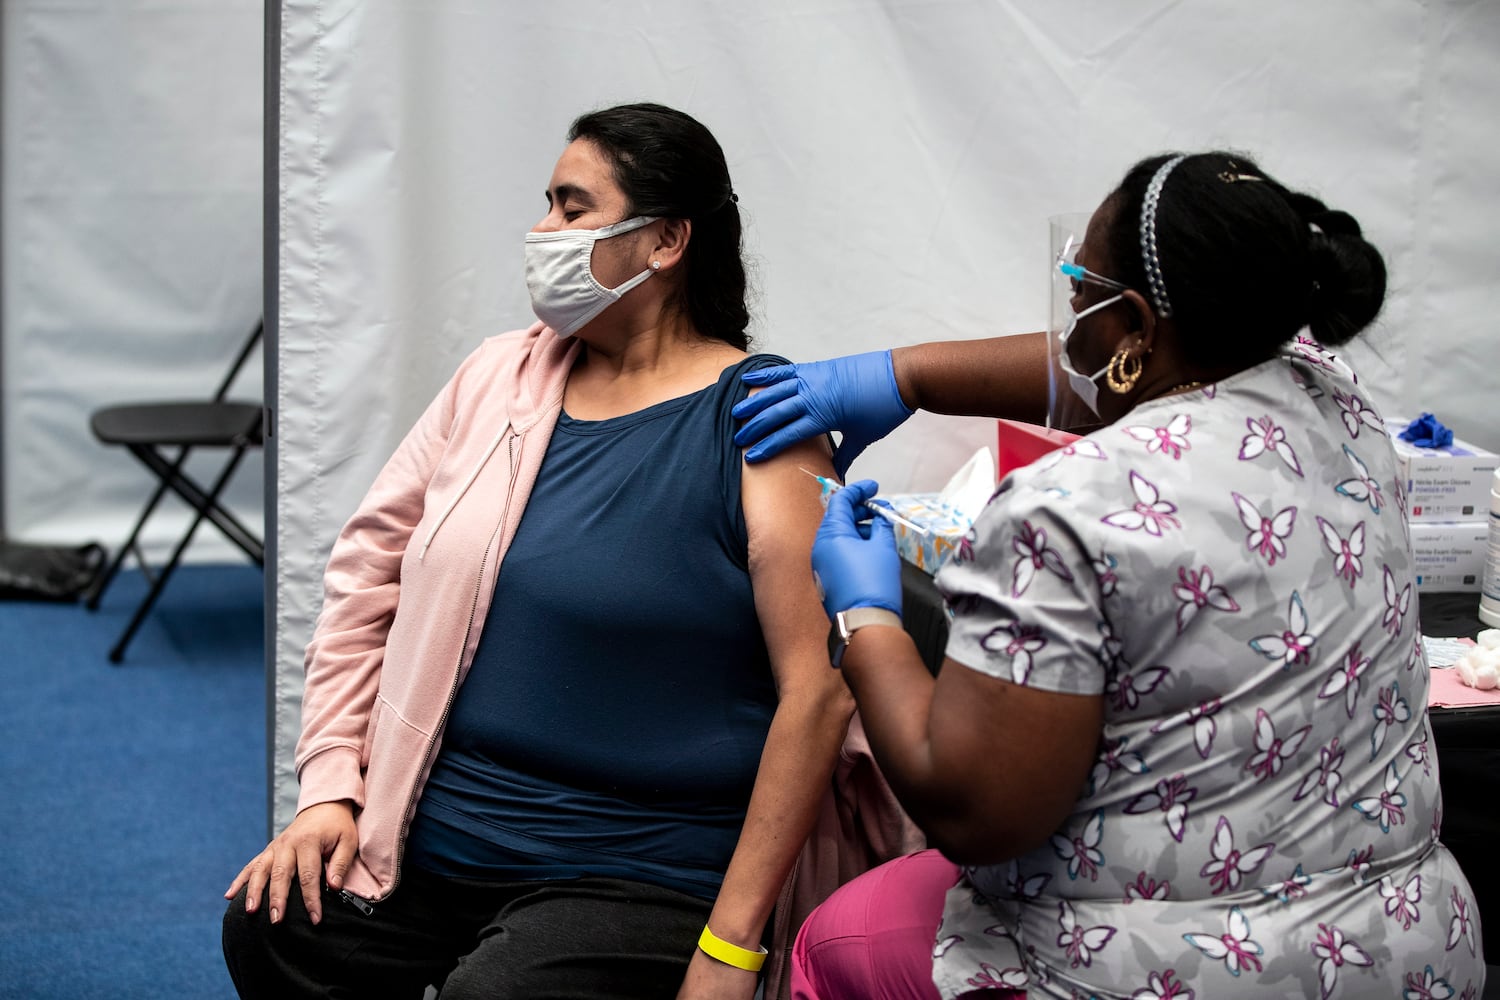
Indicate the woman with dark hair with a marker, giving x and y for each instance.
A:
(1178, 746)
(568, 714)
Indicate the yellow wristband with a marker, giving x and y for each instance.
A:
(731, 954)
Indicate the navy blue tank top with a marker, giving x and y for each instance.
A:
(614, 716)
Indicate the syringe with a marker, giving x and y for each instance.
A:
(833, 486)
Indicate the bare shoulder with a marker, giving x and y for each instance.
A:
(781, 501)
(782, 513)
(780, 498)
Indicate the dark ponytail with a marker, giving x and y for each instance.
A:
(672, 167)
(1245, 262)
(1348, 274)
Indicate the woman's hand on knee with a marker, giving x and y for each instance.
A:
(708, 979)
(321, 833)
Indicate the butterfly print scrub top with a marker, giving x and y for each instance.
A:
(1230, 570)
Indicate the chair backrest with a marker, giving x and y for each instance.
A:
(239, 361)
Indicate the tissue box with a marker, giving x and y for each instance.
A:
(1450, 555)
(1443, 484)
(946, 527)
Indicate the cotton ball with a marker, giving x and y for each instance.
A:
(1489, 638)
(1479, 668)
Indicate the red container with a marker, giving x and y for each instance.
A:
(1022, 443)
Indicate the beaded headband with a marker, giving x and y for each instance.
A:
(1148, 238)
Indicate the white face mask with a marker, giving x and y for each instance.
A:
(1086, 386)
(564, 293)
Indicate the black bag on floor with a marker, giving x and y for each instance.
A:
(48, 572)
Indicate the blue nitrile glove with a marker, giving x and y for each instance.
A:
(855, 395)
(856, 565)
(1427, 431)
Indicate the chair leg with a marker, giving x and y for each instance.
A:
(205, 504)
(210, 502)
(96, 592)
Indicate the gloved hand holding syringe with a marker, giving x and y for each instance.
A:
(880, 508)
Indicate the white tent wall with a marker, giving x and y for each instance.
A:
(132, 238)
(895, 163)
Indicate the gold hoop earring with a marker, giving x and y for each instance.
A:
(1121, 377)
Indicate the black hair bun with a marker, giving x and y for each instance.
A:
(1347, 272)
(1348, 279)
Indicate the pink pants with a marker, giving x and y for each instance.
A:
(873, 937)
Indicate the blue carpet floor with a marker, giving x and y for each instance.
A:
(132, 794)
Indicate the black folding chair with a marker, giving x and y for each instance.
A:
(149, 431)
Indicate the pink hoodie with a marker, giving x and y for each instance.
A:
(430, 533)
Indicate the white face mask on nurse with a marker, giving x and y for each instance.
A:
(1086, 387)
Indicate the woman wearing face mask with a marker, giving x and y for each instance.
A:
(1179, 743)
(568, 712)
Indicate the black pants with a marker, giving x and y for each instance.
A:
(585, 938)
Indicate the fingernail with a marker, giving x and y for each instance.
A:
(275, 917)
(315, 917)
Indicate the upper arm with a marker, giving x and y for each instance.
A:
(782, 513)
(1028, 749)
(364, 566)
(1018, 708)
(361, 587)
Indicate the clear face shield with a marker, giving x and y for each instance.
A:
(1070, 398)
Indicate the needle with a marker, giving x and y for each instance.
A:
(880, 511)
